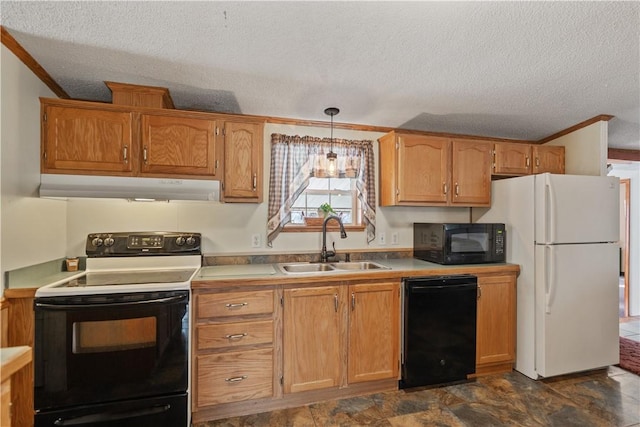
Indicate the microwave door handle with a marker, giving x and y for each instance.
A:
(117, 304)
(111, 416)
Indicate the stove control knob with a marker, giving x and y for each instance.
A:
(109, 241)
(180, 241)
(191, 240)
(96, 242)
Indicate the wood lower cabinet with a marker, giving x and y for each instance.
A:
(496, 324)
(87, 140)
(243, 147)
(421, 170)
(174, 144)
(233, 347)
(313, 321)
(374, 329)
(316, 322)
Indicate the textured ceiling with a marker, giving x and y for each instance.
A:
(522, 70)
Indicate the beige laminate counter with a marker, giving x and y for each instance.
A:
(12, 359)
(270, 274)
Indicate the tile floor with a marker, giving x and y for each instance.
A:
(603, 398)
(606, 397)
(630, 328)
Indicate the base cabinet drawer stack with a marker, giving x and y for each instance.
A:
(233, 347)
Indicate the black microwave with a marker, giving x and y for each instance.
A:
(448, 243)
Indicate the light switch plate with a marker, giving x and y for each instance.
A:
(256, 241)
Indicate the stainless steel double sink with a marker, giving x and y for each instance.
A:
(320, 267)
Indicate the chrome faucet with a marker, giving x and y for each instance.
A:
(325, 255)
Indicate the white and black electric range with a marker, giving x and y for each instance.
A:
(133, 262)
(112, 343)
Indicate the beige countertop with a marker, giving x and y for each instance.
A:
(270, 274)
(12, 359)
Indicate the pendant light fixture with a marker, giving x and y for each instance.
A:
(332, 158)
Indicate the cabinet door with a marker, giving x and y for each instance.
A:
(311, 340)
(423, 169)
(175, 145)
(89, 140)
(242, 162)
(374, 328)
(512, 159)
(496, 321)
(471, 173)
(548, 159)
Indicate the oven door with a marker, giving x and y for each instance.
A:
(102, 348)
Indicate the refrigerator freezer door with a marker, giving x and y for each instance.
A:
(576, 209)
(576, 296)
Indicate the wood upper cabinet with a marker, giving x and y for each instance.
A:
(374, 328)
(87, 140)
(174, 144)
(548, 158)
(312, 341)
(496, 324)
(420, 170)
(512, 159)
(470, 173)
(243, 146)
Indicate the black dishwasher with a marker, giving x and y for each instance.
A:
(439, 329)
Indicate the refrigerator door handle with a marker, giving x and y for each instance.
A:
(549, 277)
(550, 214)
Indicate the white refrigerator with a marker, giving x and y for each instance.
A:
(562, 230)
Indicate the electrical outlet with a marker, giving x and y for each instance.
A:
(255, 241)
(395, 239)
(382, 239)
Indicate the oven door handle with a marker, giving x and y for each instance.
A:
(111, 416)
(115, 304)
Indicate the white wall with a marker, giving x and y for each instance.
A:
(227, 228)
(585, 149)
(632, 171)
(32, 230)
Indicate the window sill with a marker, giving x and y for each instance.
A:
(301, 228)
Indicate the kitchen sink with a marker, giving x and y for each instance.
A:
(306, 267)
(358, 265)
(318, 267)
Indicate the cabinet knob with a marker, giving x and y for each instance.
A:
(125, 154)
(235, 379)
(255, 182)
(144, 154)
(444, 188)
(457, 189)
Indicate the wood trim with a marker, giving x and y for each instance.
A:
(600, 118)
(620, 154)
(28, 60)
(625, 260)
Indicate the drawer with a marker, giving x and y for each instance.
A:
(232, 377)
(234, 334)
(234, 304)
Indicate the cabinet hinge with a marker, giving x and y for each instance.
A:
(282, 301)
(397, 145)
(44, 155)
(222, 185)
(397, 191)
(44, 117)
(217, 131)
(281, 380)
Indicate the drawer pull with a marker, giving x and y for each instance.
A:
(235, 379)
(236, 305)
(235, 336)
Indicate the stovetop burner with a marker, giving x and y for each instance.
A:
(130, 278)
(133, 262)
